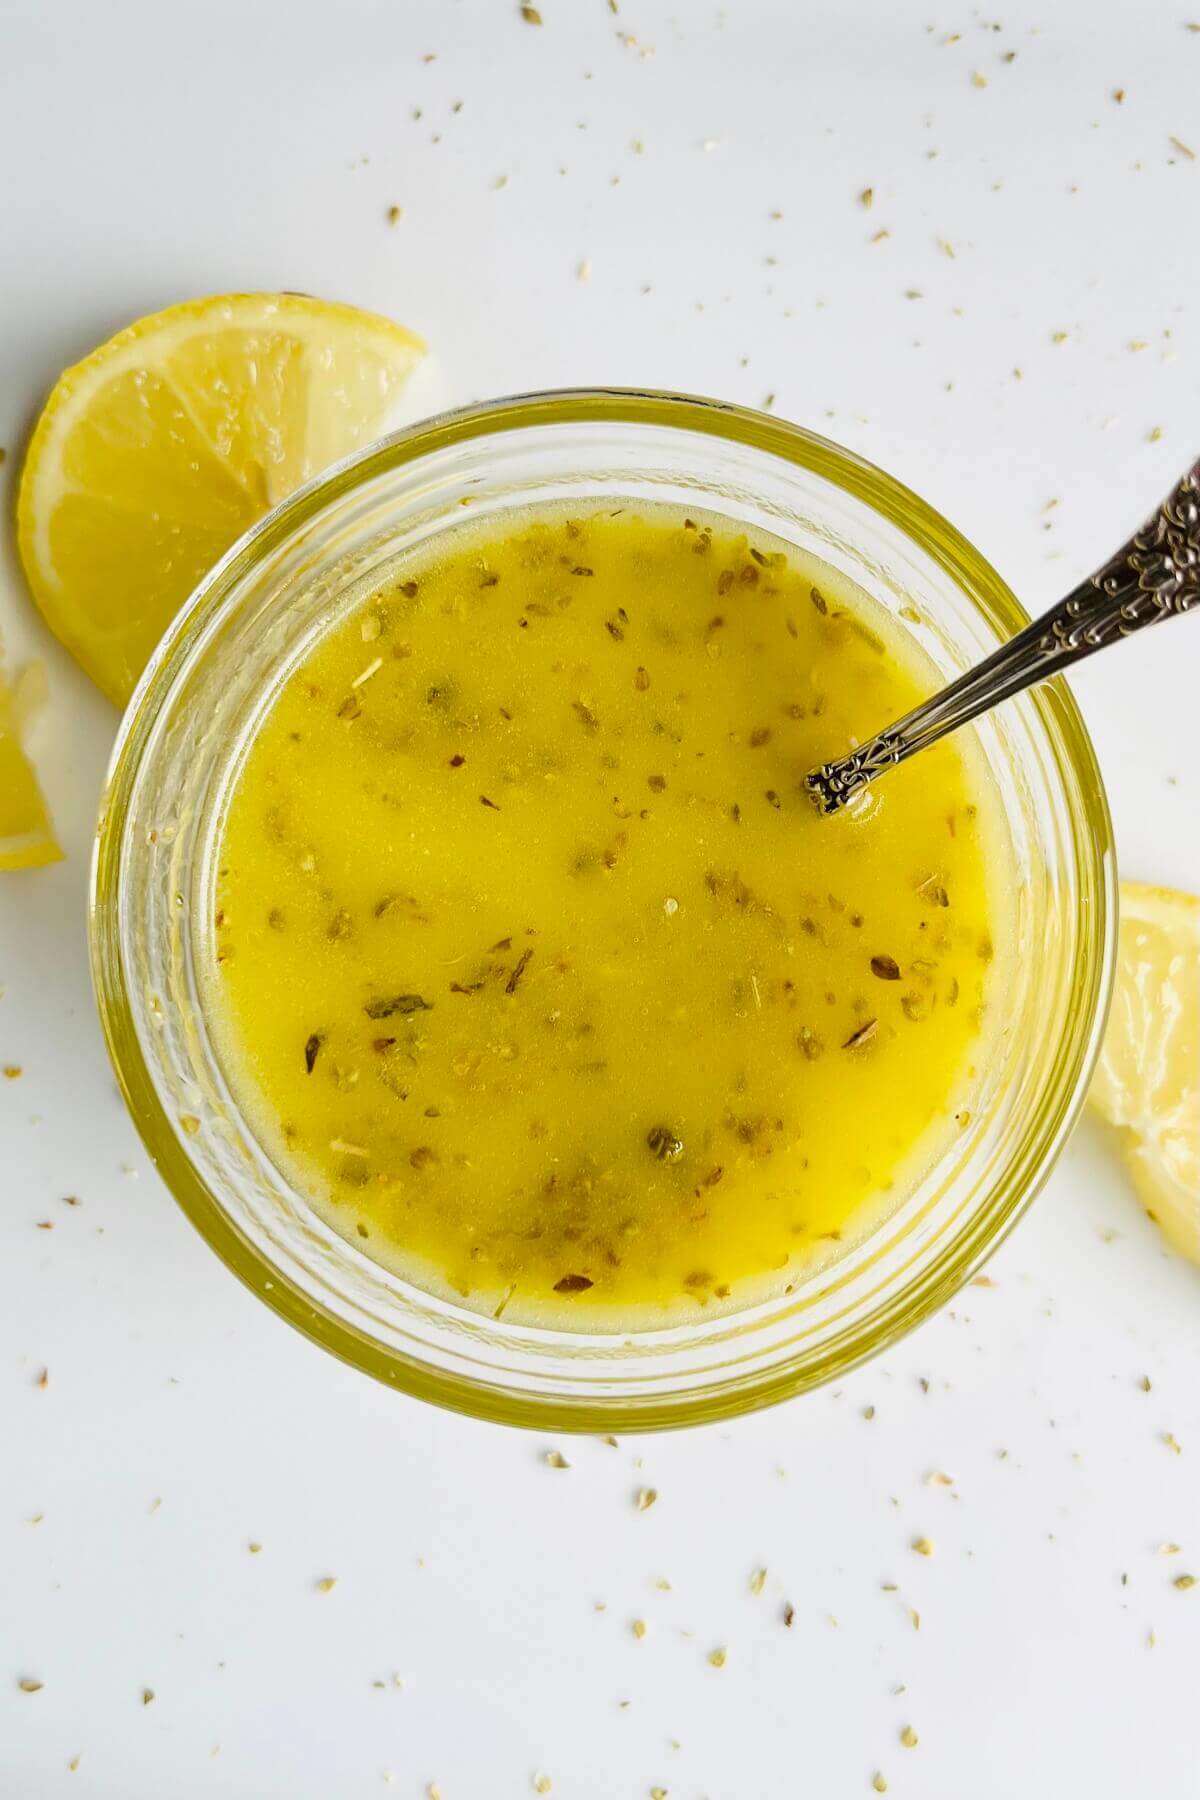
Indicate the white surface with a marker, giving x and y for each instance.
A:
(153, 152)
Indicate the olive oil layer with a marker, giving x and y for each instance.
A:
(535, 967)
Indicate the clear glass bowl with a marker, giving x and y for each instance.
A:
(220, 665)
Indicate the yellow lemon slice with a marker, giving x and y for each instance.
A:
(27, 838)
(155, 453)
(1147, 1081)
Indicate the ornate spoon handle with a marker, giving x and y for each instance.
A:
(1156, 575)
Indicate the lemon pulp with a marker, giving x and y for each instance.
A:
(27, 838)
(1147, 1081)
(155, 453)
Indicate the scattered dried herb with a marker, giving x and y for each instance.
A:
(510, 986)
(885, 967)
(573, 1284)
(664, 1143)
(312, 1050)
(863, 1035)
(397, 1003)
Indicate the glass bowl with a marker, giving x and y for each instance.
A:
(221, 663)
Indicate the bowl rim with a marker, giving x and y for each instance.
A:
(1091, 842)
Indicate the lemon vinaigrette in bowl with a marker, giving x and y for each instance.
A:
(484, 985)
(532, 965)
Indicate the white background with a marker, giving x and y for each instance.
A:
(151, 152)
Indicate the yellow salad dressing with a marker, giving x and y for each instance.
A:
(536, 970)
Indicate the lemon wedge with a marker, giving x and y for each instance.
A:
(27, 838)
(157, 451)
(1147, 1081)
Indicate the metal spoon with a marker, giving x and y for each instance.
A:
(1156, 575)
